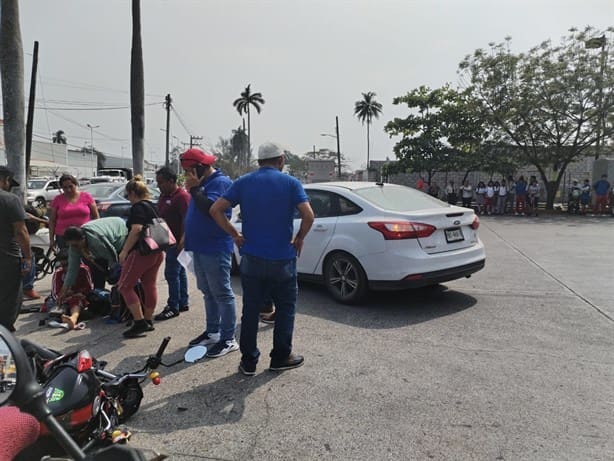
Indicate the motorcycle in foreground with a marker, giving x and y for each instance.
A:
(90, 404)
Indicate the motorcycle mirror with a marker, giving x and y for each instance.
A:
(8, 372)
(194, 354)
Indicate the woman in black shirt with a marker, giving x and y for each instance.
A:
(136, 266)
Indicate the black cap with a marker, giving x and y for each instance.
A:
(6, 173)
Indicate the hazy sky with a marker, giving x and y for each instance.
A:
(310, 59)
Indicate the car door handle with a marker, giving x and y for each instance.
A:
(320, 228)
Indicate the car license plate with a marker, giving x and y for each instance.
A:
(454, 235)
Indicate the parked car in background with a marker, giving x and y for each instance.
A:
(384, 237)
(110, 198)
(42, 190)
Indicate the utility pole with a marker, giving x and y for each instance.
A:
(168, 126)
(94, 164)
(30, 120)
(595, 43)
(338, 148)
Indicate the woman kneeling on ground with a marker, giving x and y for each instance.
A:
(136, 266)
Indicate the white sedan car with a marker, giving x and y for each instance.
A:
(385, 237)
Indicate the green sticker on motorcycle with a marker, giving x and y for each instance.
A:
(56, 395)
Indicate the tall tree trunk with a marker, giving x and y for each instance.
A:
(249, 140)
(11, 68)
(137, 92)
(368, 152)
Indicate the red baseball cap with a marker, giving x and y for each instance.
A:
(194, 156)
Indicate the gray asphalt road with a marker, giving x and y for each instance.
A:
(515, 363)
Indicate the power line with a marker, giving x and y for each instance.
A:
(93, 108)
(86, 86)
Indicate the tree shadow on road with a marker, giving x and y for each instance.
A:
(386, 309)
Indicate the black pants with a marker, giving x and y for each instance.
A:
(11, 293)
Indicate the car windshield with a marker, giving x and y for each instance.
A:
(37, 184)
(398, 198)
(102, 190)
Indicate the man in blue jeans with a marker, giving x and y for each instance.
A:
(268, 200)
(173, 207)
(212, 251)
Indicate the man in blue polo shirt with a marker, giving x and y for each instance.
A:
(212, 251)
(268, 200)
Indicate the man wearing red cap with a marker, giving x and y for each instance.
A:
(212, 251)
(15, 252)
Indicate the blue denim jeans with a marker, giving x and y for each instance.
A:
(264, 279)
(213, 280)
(177, 280)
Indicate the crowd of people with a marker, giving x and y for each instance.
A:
(93, 248)
(519, 196)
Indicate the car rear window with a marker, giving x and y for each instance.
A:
(399, 198)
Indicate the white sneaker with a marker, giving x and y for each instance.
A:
(223, 348)
(205, 339)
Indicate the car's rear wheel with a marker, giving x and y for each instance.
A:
(345, 278)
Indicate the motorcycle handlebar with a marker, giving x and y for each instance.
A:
(165, 342)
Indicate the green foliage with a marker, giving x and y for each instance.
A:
(366, 110)
(444, 131)
(242, 105)
(553, 102)
(296, 165)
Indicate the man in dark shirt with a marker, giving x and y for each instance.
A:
(602, 187)
(15, 253)
(173, 206)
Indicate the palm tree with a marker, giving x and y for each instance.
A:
(242, 105)
(11, 68)
(137, 91)
(59, 137)
(365, 110)
(238, 143)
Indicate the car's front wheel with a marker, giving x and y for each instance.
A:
(345, 278)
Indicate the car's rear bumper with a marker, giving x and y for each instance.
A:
(428, 278)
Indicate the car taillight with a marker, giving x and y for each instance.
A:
(399, 230)
(84, 361)
(476, 222)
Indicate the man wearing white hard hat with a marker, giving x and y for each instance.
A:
(268, 200)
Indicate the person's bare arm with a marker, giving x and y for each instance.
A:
(23, 239)
(133, 237)
(217, 212)
(306, 214)
(52, 220)
(93, 211)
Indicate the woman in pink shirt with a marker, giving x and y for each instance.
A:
(71, 208)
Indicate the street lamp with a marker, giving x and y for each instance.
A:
(594, 43)
(91, 127)
(338, 147)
